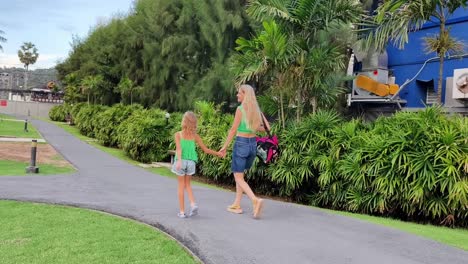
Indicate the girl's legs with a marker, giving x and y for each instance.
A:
(180, 192)
(188, 187)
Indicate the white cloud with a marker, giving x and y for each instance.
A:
(44, 61)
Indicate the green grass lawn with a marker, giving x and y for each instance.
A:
(36, 233)
(454, 237)
(16, 129)
(8, 167)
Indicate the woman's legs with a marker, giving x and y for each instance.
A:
(243, 186)
(239, 193)
(243, 156)
(180, 192)
(257, 203)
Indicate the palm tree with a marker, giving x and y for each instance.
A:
(126, 86)
(291, 45)
(27, 55)
(395, 18)
(90, 84)
(72, 89)
(268, 52)
(2, 39)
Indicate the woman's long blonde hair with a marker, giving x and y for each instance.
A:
(250, 105)
(189, 124)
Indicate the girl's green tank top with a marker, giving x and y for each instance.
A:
(244, 126)
(188, 149)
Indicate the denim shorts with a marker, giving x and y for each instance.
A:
(243, 155)
(187, 168)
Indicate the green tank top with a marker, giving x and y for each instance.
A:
(188, 149)
(244, 126)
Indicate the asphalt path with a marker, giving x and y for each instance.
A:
(287, 233)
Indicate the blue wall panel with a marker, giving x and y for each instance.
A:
(414, 94)
(406, 63)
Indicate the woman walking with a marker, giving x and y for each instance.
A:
(247, 121)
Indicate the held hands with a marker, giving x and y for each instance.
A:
(222, 152)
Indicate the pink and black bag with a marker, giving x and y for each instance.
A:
(267, 147)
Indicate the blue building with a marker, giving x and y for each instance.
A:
(415, 72)
(406, 63)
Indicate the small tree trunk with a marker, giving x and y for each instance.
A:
(131, 97)
(313, 102)
(26, 78)
(441, 59)
(441, 76)
(283, 121)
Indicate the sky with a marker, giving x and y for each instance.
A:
(50, 25)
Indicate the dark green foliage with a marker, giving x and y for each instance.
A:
(173, 53)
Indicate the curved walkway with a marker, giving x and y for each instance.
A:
(287, 233)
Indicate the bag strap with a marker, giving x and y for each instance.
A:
(264, 125)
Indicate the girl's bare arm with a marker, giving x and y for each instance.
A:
(178, 148)
(204, 147)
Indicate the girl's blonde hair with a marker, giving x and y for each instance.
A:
(250, 105)
(189, 123)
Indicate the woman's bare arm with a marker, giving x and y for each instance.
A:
(233, 130)
(265, 124)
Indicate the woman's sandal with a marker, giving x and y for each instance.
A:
(235, 209)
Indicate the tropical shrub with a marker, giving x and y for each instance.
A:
(145, 136)
(75, 108)
(302, 144)
(87, 119)
(59, 112)
(108, 121)
(412, 165)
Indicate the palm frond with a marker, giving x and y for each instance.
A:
(262, 10)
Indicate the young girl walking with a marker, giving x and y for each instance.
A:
(186, 159)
